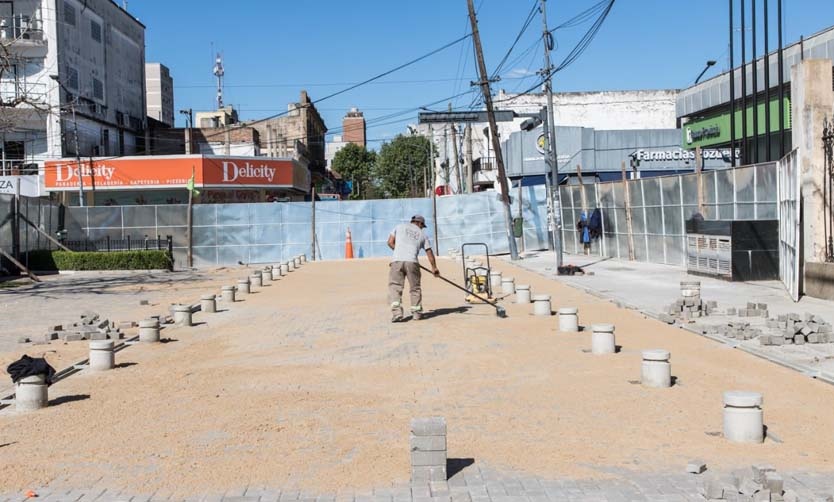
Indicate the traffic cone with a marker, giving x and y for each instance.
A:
(348, 246)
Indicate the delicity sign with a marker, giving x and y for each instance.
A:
(233, 173)
(69, 172)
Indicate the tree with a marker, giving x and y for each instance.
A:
(355, 163)
(402, 165)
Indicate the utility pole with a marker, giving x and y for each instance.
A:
(313, 226)
(456, 176)
(467, 138)
(499, 159)
(555, 203)
(78, 157)
(433, 187)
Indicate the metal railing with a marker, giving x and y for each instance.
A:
(16, 91)
(108, 245)
(21, 27)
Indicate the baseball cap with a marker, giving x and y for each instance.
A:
(418, 219)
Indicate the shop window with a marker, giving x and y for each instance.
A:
(72, 78)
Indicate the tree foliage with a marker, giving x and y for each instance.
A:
(401, 166)
(356, 164)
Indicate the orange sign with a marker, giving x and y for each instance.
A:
(175, 171)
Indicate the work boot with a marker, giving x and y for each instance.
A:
(416, 316)
(396, 317)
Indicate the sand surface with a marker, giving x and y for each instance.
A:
(306, 384)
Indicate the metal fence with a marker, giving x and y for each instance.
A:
(270, 232)
(108, 245)
(660, 206)
(20, 233)
(789, 223)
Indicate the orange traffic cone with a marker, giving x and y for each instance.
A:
(348, 245)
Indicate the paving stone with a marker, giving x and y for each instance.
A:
(431, 426)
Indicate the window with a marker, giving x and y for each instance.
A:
(69, 14)
(72, 78)
(98, 89)
(95, 31)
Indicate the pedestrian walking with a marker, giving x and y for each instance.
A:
(406, 240)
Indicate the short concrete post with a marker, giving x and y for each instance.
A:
(31, 393)
(275, 273)
(101, 355)
(182, 315)
(149, 330)
(541, 305)
(743, 417)
(243, 286)
(656, 371)
(208, 304)
(256, 279)
(602, 339)
(303, 258)
(522, 293)
(267, 273)
(291, 265)
(297, 262)
(428, 449)
(228, 294)
(568, 319)
(285, 268)
(508, 285)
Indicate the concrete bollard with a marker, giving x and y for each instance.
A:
(522, 293)
(291, 265)
(228, 294)
(602, 339)
(285, 268)
(568, 319)
(508, 285)
(656, 371)
(256, 280)
(303, 258)
(182, 315)
(297, 262)
(243, 286)
(149, 330)
(495, 280)
(266, 274)
(31, 393)
(102, 357)
(428, 450)
(208, 304)
(743, 417)
(275, 273)
(541, 305)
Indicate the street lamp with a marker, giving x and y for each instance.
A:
(77, 151)
(709, 63)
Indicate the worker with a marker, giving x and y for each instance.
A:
(407, 239)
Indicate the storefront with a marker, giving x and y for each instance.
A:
(164, 179)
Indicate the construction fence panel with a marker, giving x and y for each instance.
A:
(788, 190)
(660, 206)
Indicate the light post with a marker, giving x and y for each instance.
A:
(189, 123)
(77, 151)
(707, 67)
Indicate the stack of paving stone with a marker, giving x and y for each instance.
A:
(798, 330)
(752, 310)
(737, 330)
(756, 483)
(428, 450)
(689, 305)
(90, 327)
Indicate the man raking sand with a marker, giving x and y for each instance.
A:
(407, 239)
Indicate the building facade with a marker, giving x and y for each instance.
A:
(353, 127)
(159, 93)
(300, 132)
(75, 84)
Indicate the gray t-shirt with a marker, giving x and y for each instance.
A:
(409, 239)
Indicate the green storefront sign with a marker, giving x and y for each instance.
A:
(716, 130)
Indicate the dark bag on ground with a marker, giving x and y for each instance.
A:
(29, 366)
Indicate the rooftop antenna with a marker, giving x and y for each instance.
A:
(219, 72)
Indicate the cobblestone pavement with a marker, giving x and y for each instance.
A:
(472, 483)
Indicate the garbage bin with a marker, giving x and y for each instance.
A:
(518, 227)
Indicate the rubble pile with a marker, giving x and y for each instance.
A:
(758, 482)
(690, 305)
(90, 327)
(798, 330)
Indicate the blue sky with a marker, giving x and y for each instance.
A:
(275, 48)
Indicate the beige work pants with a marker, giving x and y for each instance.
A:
(397, 274)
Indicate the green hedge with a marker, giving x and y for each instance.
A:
(91, 260)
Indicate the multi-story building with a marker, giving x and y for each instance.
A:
(353, 131)
(74, 84)
(300, 132)
(159, 93)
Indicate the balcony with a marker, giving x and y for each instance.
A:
(22, 31)
(19, 94)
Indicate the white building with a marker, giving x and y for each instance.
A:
(331, 148)
(603, 110)
(75, 65)
(159, 93)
